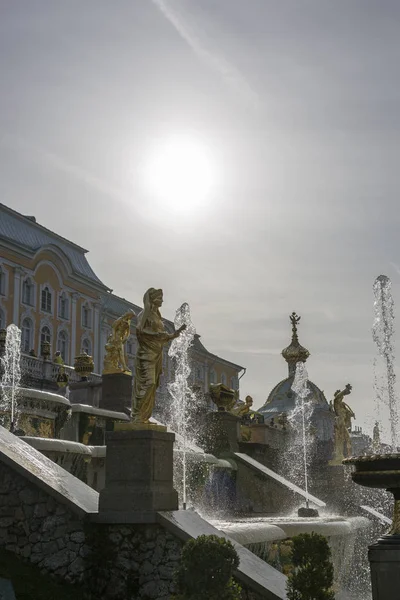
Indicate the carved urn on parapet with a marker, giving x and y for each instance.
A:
(84, 365)
(222, 396)
(45, 350)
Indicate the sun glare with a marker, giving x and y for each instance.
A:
(180, 174)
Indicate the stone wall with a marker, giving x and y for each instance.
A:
(108, 561)
(112, 562)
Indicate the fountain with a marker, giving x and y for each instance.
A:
(182, 395)
(11, 378)
(301, 421)
(382, 471)
(382, 333)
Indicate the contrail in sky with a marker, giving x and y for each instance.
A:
(218, 63)
(59, 163)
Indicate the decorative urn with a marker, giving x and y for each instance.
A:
(84, 365)
(222, 396)
(45, 350)
(380, 471)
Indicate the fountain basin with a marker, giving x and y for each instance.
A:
(39, 413)
(377, 471)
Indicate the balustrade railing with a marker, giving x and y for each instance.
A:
(38, 368)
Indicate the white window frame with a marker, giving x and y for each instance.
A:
(4, 282)
(51, 291)
(28, 317)
(65, 331)
(61, 295)
(33, 292)
(85, 306)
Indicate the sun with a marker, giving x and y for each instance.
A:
(180, 173)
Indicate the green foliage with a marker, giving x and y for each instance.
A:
(206, 570)
(312, 576)
(30, 584)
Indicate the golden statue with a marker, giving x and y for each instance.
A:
(343, 414)
(152, 338)
(115, 360)
(243, 409)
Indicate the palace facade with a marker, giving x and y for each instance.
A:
(49, 290)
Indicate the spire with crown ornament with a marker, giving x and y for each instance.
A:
(295, 352)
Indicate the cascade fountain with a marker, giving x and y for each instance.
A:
(179, 389)
(11, 375)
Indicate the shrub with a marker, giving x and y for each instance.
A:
(206, 570)
(312, 576)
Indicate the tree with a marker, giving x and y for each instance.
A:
(312, 576)
(206, 570)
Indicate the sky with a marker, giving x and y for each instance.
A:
(295, 104)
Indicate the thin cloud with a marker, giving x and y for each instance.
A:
(229, 72)
(61, 164)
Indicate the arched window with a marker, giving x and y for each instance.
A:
(86, 316)
(2, 320)
(223, 379)
(27, 335)
(199, 372)
(46, 300)
(45, 334)
(130, 347)
(27, 292)
(2, 282)
(87, 346)
(234, 383)
(63, 306)
(62, 345)
(213, 377)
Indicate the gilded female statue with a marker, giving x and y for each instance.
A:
(152, 338)
(115, 360)
(344, 414)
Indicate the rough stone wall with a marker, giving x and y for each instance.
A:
(107, 561)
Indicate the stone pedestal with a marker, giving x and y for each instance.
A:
(116, 392)
(85, 392)
(384, 558)
(139, 476)
(222, 433)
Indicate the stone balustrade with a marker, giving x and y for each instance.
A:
(36, 368)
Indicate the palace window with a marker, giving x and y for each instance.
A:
(87, 346)
(62, 345)
(27, 292)
(63, 306)
(45, 334)
(86, 316)
(130, 347)
(27, 335)
(234, 383)
(213, 377)
(223, 379)
(2, 320)
(46, 300)
(2, 282)
(199, 372)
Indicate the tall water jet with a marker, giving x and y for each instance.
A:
(11, 369)
(300, 419)
(182, 395)
(382, 333)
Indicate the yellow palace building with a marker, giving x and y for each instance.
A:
(48, 289)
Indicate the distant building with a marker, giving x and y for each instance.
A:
(49, 290)
(282, 400)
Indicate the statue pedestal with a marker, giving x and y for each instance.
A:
(139, 476)
(223, 433)
(384, 558)
(116, 392)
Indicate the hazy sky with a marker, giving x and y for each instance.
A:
(298, 105)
